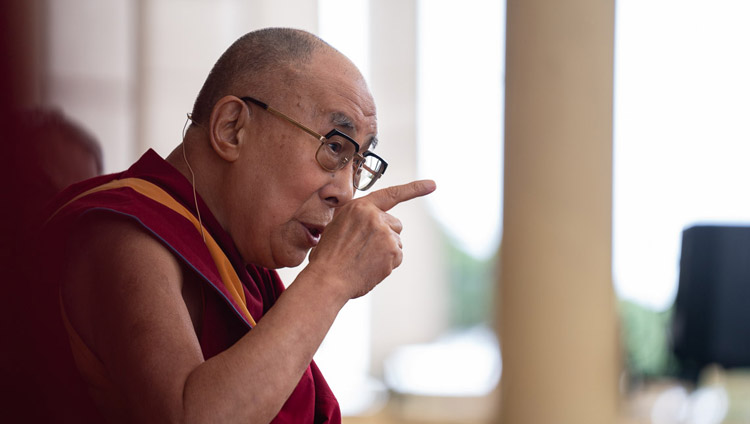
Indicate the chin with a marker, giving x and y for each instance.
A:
(290, 260)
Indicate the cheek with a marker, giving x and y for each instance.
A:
(287, 246)
(269, 234)
(275, 192)
(296, 174)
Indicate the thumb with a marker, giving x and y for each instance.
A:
(389, 197)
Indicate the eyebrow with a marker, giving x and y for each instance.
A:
(341, 120)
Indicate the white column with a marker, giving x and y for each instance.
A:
(180, 40)
(90, 65)
(410, 306)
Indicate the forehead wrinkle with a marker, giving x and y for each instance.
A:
(340, 119)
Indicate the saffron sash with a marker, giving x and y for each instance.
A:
(231, 281)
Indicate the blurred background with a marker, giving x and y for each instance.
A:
(588, 137)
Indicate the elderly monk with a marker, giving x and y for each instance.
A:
(169, 297)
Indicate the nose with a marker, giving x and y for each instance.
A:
(340, 188)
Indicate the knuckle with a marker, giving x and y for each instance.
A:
(398, 257)
(394, 193)
(361, 207)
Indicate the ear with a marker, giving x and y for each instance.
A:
(226, 127)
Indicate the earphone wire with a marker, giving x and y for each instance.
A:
(192, 175)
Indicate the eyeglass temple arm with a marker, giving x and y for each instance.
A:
(281, 115)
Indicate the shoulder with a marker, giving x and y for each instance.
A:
(114, 266)
(115, 246)
(124, 294)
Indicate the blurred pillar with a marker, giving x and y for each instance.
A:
(557, 318)
(174, 56)
(89, 65)
(410, 306)
(21, 68)
(21, 33)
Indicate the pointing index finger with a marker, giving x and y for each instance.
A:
(389, 197)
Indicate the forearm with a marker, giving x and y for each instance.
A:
(251, 381)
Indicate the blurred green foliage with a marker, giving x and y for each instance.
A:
(472, 286)
(645, 337)
(644, 331)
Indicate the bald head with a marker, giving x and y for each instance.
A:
(257, 172)
(256, 62)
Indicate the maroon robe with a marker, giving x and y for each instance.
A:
(225, 314)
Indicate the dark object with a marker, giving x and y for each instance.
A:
(711, 323)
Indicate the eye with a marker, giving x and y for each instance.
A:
(335, 147)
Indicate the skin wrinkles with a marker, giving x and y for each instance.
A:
(356, 105)
(300, 193)
(359, 124)
(258, 176)
(345, 123)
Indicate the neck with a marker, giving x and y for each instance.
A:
(193, 163)
(176, 160)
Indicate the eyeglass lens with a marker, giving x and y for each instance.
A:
(367, 173)
(336, 152)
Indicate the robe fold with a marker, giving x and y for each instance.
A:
(160, 199)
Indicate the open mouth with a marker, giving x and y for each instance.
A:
(313, 233)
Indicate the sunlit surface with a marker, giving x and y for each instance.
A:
(460, 95)
(460, 99)
(720, 398)
(345, 353)
(464, 363)
(681, 137)
(681, 147)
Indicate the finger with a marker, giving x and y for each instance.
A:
(394, 223)
(398, 258)
(389, 197)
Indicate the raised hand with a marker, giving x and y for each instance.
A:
(362, 244)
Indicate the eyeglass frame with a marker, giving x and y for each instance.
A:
(322, 138)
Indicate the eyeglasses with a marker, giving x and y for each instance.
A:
(336, 150)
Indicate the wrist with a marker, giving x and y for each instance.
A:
(327, 286)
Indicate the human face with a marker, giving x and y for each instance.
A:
(282, 199)
(336, 151)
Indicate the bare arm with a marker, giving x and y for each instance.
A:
(124, 295)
